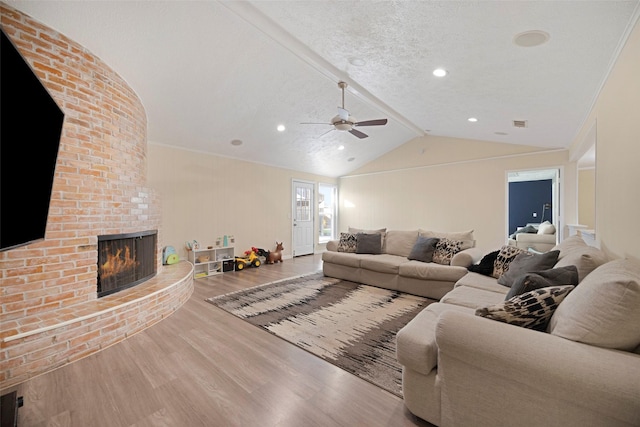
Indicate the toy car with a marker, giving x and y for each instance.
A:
(251, 260)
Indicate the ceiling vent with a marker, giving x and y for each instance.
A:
(520, 123)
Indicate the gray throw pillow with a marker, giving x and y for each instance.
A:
(528, 263)
(543, 279)
(423, 249)
(368, 243)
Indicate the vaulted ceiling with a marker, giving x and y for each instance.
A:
(209, 72)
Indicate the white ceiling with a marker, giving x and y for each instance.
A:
(211, 72)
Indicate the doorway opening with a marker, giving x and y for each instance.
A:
(533, 197)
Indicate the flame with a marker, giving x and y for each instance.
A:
(116, 264)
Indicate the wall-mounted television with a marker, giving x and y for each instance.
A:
(30, 130)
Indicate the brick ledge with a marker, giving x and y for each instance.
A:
(170, 276)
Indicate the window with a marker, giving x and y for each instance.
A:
(327, 211)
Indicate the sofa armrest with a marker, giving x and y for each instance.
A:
(332, 245)
(511, 365)
(467, 257)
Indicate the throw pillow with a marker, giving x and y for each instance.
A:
(526, 263)
(485, 266)
(543, 279)
(368, 243)
(445, 250)
(506, 254)
(546, 228)
(605, 310)
(347, 243)
(530, 310)
(423, 249)
(466, 237)
(526, 229)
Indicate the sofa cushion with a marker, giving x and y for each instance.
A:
(347, 243)
(586, 259)
(466, 237)
(480, 281)
(423, 249)
(445, 250)
(543, 279)
(342, 258)
(473, 297)
(569, 244)
(485, 266)
(383, 263)
(530, 310)
(505, 256)
(527, 262)
(604, 309)
(368, 243)
(416, 345)
(431, 271)
(400, 242)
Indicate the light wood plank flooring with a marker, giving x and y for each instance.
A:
(203, 367)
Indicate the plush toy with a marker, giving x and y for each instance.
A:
(275, 256)
(169, 255)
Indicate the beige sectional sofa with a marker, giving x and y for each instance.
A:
(391, 268)
(461, 367)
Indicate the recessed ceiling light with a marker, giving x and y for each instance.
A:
(357, 62)
(531, 38)
(341, 147)
(281, 128)
(236, 142)
(472, 119)
(439, 72)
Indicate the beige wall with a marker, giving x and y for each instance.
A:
(586, 197)
(617, 113)
(206, 196)
(452, 195)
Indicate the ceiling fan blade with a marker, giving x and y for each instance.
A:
(307, 123)
(329, 131)
(378, 122)
(358, 133)
(343, 114)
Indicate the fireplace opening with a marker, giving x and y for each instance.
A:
(125, 260)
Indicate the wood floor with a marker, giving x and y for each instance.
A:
(203, 367)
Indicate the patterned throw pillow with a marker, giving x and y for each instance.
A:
(529, 310)
(505, 256)
(347, 243)
(445, 250)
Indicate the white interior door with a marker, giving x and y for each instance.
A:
(303, 215)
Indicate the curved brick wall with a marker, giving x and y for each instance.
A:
(99, 188)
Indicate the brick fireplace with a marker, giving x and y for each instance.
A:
(50, 313)
(125, 260)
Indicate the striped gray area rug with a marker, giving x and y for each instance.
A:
(348, 324)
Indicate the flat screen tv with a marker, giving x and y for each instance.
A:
(30, 130)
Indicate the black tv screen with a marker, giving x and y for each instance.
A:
(30, 130)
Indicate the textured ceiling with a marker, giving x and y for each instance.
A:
(212, 72)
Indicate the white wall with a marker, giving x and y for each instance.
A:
(449, 196)
(617, 113)
(206, 196)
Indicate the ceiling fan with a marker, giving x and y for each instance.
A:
(346, 123)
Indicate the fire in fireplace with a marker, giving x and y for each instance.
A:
(125, 260)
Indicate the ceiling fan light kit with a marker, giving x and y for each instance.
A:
(346, 123)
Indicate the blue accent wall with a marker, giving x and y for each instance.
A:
(527, 197)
